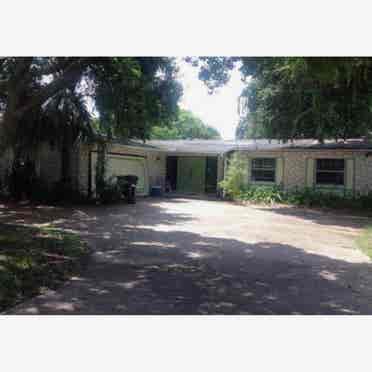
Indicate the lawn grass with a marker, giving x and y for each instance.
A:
(35, 258)
(364, 241)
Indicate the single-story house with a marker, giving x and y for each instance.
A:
(197, 166)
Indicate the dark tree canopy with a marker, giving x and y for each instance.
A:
(185, 126)
(134, 94)
(43, 96)
(285, 97)
(294, 97)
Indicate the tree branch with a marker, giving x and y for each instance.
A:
(70, 76)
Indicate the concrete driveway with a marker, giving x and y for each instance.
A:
(183, 256)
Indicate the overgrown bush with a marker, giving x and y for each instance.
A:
(4, 189)
(308, 197)
(313, 198)
(21, 178)
(110, 191)
(64, 191)
(261, 194)
(107, 190)
(236, 173)
(22, 182)
(40, 191)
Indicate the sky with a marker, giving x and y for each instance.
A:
(219, 110)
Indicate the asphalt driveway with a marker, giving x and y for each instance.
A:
(184, 256)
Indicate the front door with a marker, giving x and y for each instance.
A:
(211, 175)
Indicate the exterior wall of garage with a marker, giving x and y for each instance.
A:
(154, 164)
(296, 167)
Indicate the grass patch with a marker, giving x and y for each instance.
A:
(365, 241)
(35, 258)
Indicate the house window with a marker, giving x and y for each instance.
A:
(263, 169)
(330, 171)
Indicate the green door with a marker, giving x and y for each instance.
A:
(211, 175)
(191, 174)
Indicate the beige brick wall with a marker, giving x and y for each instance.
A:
(295, 166)
(294, 170)
(363, 173)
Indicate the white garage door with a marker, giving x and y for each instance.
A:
(118, 165)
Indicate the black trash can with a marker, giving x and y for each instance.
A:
(128, 186)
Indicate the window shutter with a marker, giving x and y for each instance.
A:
(310, 172)
(279, 171)
(349, 174)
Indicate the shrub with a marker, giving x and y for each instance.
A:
(304, 197)
(4, 189)
(261, 194)
(21, 178)
(40, 191)
(64, 191)
(110, 191)
(320, 198)
(235, 176)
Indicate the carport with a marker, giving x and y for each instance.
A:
(196, 174)
(194, 166)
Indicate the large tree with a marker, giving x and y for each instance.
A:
(186, 126)
(293, 97)
(26, 84)
(130, 95)
(134, 94)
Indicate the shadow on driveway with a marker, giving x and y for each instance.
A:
(146, 262)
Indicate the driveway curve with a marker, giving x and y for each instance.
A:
(187, 256)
